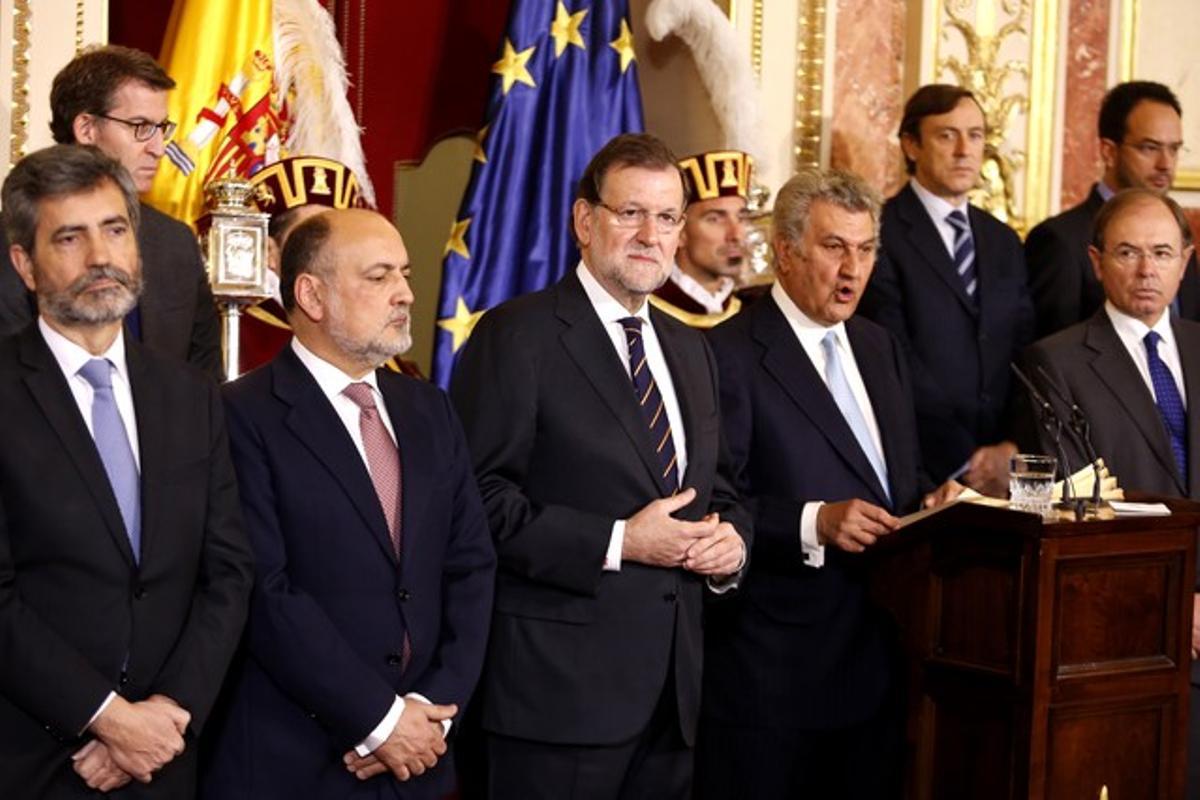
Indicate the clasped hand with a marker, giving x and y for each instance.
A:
(414, 745)
(707, 547)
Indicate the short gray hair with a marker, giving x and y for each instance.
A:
(844, 189)
(58, 171)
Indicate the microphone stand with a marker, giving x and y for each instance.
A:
(1053, 425)
(1082, 429)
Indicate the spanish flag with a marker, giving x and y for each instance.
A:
(232, 119)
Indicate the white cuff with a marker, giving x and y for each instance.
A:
(814, 551)
(100, 710)
(612, 559)
(382, 731)
(723, 585)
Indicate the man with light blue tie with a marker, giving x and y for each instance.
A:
(124, 572)
(1134, 369)
(800, 697)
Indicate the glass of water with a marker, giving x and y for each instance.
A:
(1031, 483)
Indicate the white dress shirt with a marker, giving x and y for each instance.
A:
(713, 302)
(71, 358)
(1132, 333)
(938, 208)
(611, 313)
(810, 333)
(333, 382)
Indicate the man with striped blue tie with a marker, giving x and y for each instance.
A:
(950, 284)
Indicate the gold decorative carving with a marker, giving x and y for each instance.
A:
(810, 76)
(756, 38)
(985, 75)
(79, 19)
(19, 129)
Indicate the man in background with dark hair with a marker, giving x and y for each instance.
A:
(593, 422)
(950, 284)
(1141, 134)
(115, 98)
(124, 571)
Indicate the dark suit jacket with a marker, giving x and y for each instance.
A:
(800, 647)
(1061, 279)
(331, 604)
(74, 606)
(578, 655)
(1089, 362)
(178, 317)
(958, 349)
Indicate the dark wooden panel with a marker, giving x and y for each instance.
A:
(1116, 615)
(972, 737)
(1126, 749)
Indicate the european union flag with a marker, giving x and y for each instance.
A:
(565, 84)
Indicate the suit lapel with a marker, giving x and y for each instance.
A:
(880, 388)
(589, 346)
(153, 434)
(50, 391)
(786, 362)
(415, 449)
(318, 428)
(1116, 370)
(1187, 339)
(925, 240)
(684, 376)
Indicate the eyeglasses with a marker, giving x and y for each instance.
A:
(1152, 149)
(635, 217)
(143, 130)
(1129, 256)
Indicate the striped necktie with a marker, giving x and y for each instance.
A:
(651, 402)
(964, 251)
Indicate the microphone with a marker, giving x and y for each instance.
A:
(1080, 426)
(1054, 426)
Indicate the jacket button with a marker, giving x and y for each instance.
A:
(394, 660)
(139, 593)
(403, 595)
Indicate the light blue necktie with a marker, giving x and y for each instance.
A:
(839, 387)
(112, 442)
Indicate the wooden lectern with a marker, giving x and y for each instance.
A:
(1044, 660)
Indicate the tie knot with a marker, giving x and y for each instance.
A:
(1152, 339)
(957, 220)
(361, 394)
(97, 372)
(631, 324)
(829, 342)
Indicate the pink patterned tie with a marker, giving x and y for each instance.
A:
(383, 458)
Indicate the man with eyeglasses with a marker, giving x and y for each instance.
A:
(801, 698)
(1141, 136)
(701, 289)
(593, 423)
(950, 285)
(1134, 369)
(115, 98)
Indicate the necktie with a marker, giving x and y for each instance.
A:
(650, 399)
(964, 250)
(839, 387)
(112, 442)
(383, 459)
(383, 462)
(1170, 404)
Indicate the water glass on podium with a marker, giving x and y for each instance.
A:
(1031, 483)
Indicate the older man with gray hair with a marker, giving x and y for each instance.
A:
(800, 695)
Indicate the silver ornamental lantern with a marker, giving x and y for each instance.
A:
(233, 238)
(757, 241)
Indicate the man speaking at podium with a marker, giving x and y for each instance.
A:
(1131, 368)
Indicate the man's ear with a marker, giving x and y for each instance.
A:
(309, 294)
(86, 128)
(23, 264)
(581, 219)
(273, 255)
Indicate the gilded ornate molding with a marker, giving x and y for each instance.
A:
(810, 77)
(756, 38)
(79, 19)
(21, 45)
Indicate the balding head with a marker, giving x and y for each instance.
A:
(344, 283)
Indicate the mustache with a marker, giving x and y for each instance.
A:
(102, 272)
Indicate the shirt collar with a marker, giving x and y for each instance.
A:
(1106, 191)
(692, 287)
(1130, 328)
(331, 379)
(607, 307)
(936, 207)
(807, 329)
(71, 357)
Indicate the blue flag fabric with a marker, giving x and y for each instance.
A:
(565, 83)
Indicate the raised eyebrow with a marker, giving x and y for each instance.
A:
(63, 230)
